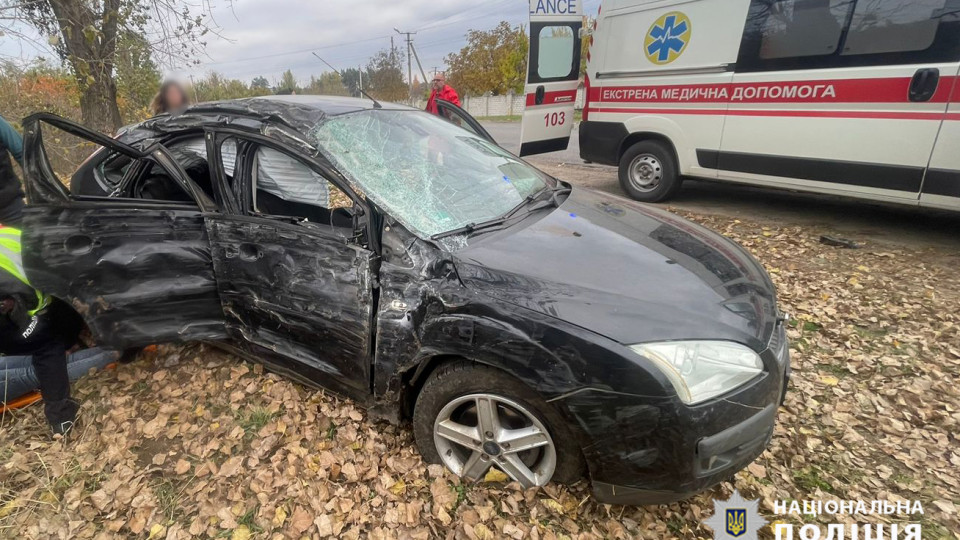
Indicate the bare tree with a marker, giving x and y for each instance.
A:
(85, 35)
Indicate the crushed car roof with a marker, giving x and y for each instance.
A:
(300, 113)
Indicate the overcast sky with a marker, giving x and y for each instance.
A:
(267, 37)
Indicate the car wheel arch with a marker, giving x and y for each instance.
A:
(415, 378)
(641, 136)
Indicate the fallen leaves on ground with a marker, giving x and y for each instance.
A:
(189, 441)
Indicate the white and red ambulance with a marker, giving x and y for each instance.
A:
(847, 97)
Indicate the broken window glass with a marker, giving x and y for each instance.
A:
(430, 175)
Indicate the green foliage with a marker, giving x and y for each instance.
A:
(288, 82)
(328, 83)
(260, 83)
(138, 78)
(492, 61)
(351, 80)
(216, 87)
(384, 76)
(96, 39)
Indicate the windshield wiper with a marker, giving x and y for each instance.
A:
(555, 193)
(472, 227)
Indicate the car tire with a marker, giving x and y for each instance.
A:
(649, 172)
(455, 392)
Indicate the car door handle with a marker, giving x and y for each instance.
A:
(541, 94)
(250, 252)
(79, 244)
(924, 84)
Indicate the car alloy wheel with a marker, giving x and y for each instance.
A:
(477, 431)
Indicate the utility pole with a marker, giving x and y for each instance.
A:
(417, 58)
(409, 36)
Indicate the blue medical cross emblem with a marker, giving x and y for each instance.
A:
(736, 521)
(666, 38)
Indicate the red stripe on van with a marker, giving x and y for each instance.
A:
(876, 90)
(553, 98)
(889, 115)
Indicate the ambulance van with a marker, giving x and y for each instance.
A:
(847, 97)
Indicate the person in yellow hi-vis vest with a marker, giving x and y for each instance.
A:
(25, 329)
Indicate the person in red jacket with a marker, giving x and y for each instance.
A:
(441, 90)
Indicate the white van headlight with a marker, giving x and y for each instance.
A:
(700, 370)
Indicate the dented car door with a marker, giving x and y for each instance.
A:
(299, 291)
(139, 271)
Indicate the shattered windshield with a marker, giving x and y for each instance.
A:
(426, 172)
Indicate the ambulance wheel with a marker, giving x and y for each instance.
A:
(648, 172)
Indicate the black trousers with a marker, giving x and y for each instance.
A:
(48, 353)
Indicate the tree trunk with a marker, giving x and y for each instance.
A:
(98, 104)
(91, 54)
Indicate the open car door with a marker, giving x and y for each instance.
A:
(136, 265)
(553, 74)
(462, 118)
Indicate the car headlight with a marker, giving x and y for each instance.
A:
(700, 370)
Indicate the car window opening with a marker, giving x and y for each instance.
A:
(285, 186)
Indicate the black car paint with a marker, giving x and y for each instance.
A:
(420, 304)
(614, 263)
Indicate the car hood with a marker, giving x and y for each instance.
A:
(627, 271)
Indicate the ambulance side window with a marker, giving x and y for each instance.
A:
(784, 35)
(795, 28)
(894, 26)
(554, 52)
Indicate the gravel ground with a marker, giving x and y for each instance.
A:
(189, 441)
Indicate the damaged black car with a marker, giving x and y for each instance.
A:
(418, 268)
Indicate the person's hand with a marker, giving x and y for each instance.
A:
(14, 309)
(6, 305)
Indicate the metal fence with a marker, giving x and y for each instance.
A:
(506, 105)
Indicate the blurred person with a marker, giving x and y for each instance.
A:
(11, 191)
(171, 97)
(441, 90)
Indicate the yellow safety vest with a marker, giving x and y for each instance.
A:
(11, 262)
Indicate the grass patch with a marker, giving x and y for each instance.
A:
(834, 369)
(254, 420)
(168, 499)
(809, 480)
(675, 524)
(461, 490)
(248, 519)
(505, 118)
(810, 326)
(869, 333)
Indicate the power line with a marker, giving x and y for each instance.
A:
(299, 51)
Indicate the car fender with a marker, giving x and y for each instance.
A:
(660, 127)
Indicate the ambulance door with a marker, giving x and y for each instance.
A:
(840, 97)
(553, 74)
(941, 185)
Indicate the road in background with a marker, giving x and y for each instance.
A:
(858, 220)
(507, 135)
